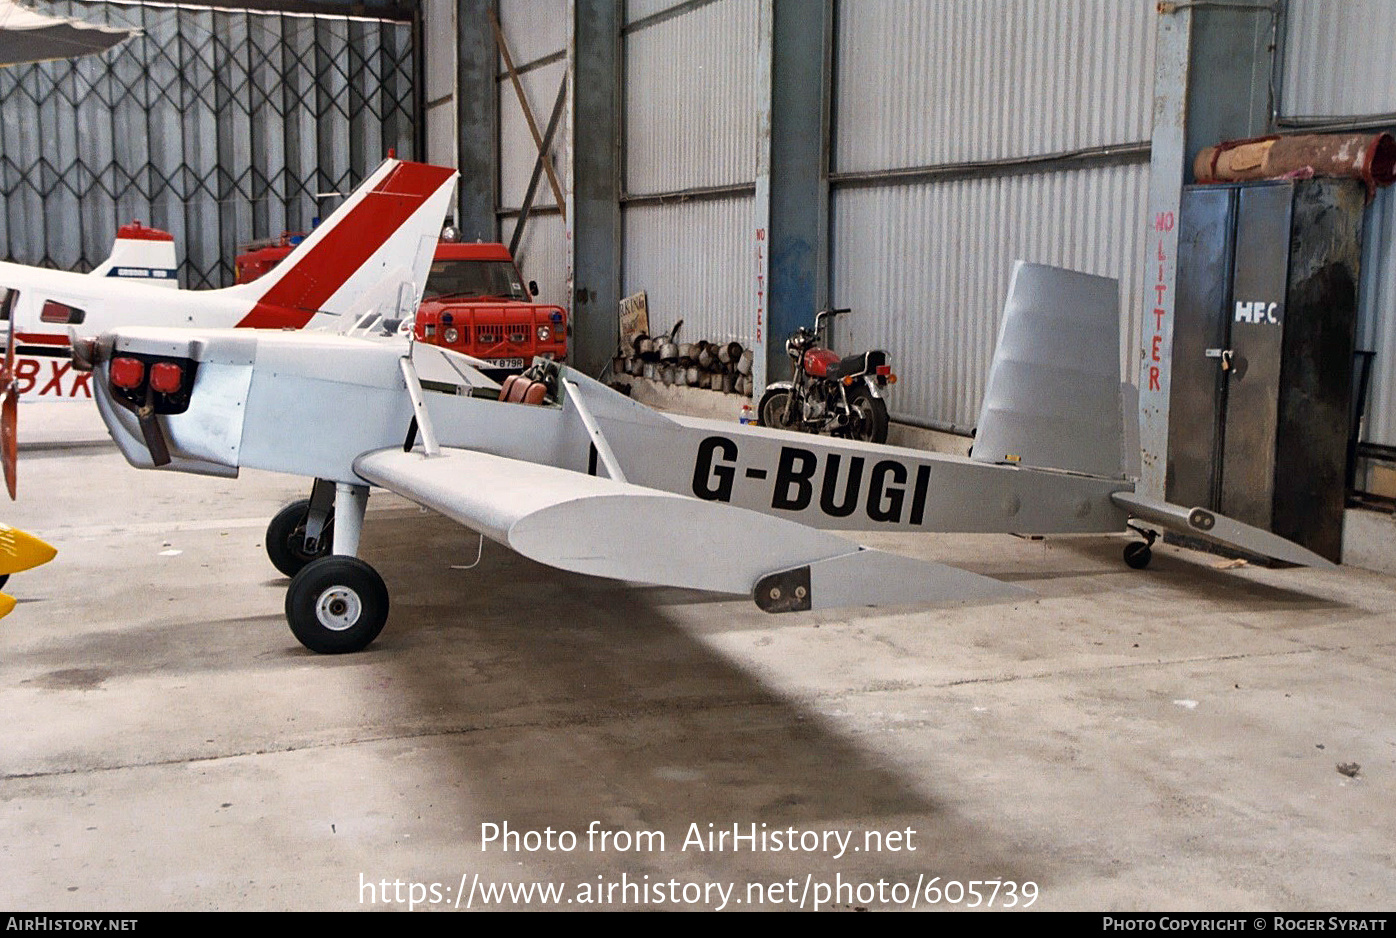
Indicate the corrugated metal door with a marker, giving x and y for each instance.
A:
(219, 126)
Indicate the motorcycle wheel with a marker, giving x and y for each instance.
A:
(868, 417)
(771, 413)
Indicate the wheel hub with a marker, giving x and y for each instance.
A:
(338, 608)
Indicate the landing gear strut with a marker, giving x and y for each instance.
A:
(1137, 554)
(336, 603)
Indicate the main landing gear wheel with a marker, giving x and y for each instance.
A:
(336, 605)
(286, 538)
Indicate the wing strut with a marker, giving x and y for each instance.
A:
(419, 407)
(603, 449)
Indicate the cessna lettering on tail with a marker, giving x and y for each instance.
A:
(841, 488)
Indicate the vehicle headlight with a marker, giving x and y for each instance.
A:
(451, 335)
(544, 333)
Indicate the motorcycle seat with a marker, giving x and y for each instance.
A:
(861, 363)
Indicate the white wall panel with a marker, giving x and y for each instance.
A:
(441, 134)
(639, 9)
(1377, 317)
(690, 101)
(542, 254)
(532, 28)
(517, 151)
(439, 38)
(695, 261)
(929, 82)
(925, 269)
(1338, 58)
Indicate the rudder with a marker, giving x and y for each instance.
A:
(1053, 397)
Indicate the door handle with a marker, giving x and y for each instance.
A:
(1225, 354)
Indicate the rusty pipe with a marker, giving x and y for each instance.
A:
(1368, 157)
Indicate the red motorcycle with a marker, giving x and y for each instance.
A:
(828, 394)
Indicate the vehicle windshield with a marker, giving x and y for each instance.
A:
(474, 278)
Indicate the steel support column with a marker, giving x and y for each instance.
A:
(797, 264)
(1211, 83)
(477, 122)
(593, 215)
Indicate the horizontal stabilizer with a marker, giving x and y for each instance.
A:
(597, 526)
(1200, 522)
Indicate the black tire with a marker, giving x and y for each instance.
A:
(1137, 555)
(867, 419)
(336, 605)
(771, 413)
(286, 538)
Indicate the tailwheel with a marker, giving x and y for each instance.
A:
(336, 604)
(1139, 553)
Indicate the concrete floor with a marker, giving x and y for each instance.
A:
(1165, 740)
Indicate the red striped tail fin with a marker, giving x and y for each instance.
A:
(379, 243)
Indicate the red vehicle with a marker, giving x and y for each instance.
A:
(475, 302)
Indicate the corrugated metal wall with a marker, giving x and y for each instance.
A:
(219, 126)
(690, 258)
(925, 268)
(536, 32)
(925, 264)
(1338, 65)
(439, 53)
(1338, 58)
(690, 123)
(930, 82)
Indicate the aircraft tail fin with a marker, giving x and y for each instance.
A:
(141, 253)
(372, 254)
(1053, 398)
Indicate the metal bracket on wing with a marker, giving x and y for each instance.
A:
(603, 449)
(869, 577)
(1206, 524)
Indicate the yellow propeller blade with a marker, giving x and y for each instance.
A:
(20, 550)
(7, 604)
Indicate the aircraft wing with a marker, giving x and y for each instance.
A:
(1210, 526)
(602, 527)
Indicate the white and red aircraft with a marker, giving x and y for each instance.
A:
(42, 366)
(370, 256)
(569, 473)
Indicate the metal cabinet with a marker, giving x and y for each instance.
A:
(1266, 314)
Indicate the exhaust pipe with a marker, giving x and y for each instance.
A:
(1368, 157)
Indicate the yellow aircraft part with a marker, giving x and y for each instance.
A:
(20, 551)
(7, 604)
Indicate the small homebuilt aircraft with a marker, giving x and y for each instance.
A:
(564, 470)
(370, 257)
